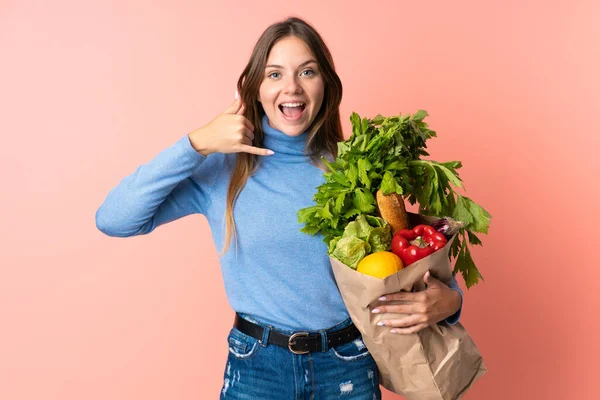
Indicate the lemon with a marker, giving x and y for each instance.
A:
(380, 264)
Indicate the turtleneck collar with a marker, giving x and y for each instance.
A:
(282, 144)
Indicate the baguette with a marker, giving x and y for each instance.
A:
(392, 210)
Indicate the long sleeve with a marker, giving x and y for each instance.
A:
(453, 319)
(158, 192)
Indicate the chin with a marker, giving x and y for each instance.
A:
(293, 131)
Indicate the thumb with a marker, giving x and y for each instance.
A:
(243, 107)
(241, 110)
(234, 108)
(430, 280)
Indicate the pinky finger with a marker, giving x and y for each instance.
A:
(256, 150)
(411, 329)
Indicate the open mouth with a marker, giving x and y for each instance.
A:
(292, 110)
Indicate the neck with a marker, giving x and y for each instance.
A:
(282, 144)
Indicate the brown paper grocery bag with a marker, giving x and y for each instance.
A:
(440, 362)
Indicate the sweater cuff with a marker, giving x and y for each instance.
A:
(454, 318)
(185, 149)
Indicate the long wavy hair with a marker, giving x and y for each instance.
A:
(325, 131)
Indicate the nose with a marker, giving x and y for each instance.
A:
(292, 85)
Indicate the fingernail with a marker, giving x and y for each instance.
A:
(394, 331)
(382, 298)
(381, 323)
(270, 152)
(376, 310)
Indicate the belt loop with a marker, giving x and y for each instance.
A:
(264, 341)
(324, 341)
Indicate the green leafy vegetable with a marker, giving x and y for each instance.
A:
(367, 234)
(350, 250)
(386, 153)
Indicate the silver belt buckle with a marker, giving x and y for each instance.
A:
(291, 342)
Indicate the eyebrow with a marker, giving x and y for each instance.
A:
(300, 66)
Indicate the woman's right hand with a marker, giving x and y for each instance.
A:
(229, 132)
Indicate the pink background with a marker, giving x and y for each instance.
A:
(91, 90)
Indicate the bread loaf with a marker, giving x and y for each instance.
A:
(392, 210)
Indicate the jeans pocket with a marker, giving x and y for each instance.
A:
(242, 346)
(351, 351)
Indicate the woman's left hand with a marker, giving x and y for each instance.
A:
(425, 308)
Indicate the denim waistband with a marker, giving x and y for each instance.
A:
(334, 328)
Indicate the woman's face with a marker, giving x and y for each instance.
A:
(292, 89)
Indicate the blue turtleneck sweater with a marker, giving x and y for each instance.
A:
(275, 273)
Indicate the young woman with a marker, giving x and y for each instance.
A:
(249, 171)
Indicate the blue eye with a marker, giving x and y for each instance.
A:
(273, 73)
(309, 70)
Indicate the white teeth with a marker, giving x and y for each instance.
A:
(292, 104)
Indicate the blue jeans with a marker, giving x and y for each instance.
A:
(263, 371)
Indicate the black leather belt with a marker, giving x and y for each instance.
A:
(298, 342)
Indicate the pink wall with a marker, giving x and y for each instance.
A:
(90, 91)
